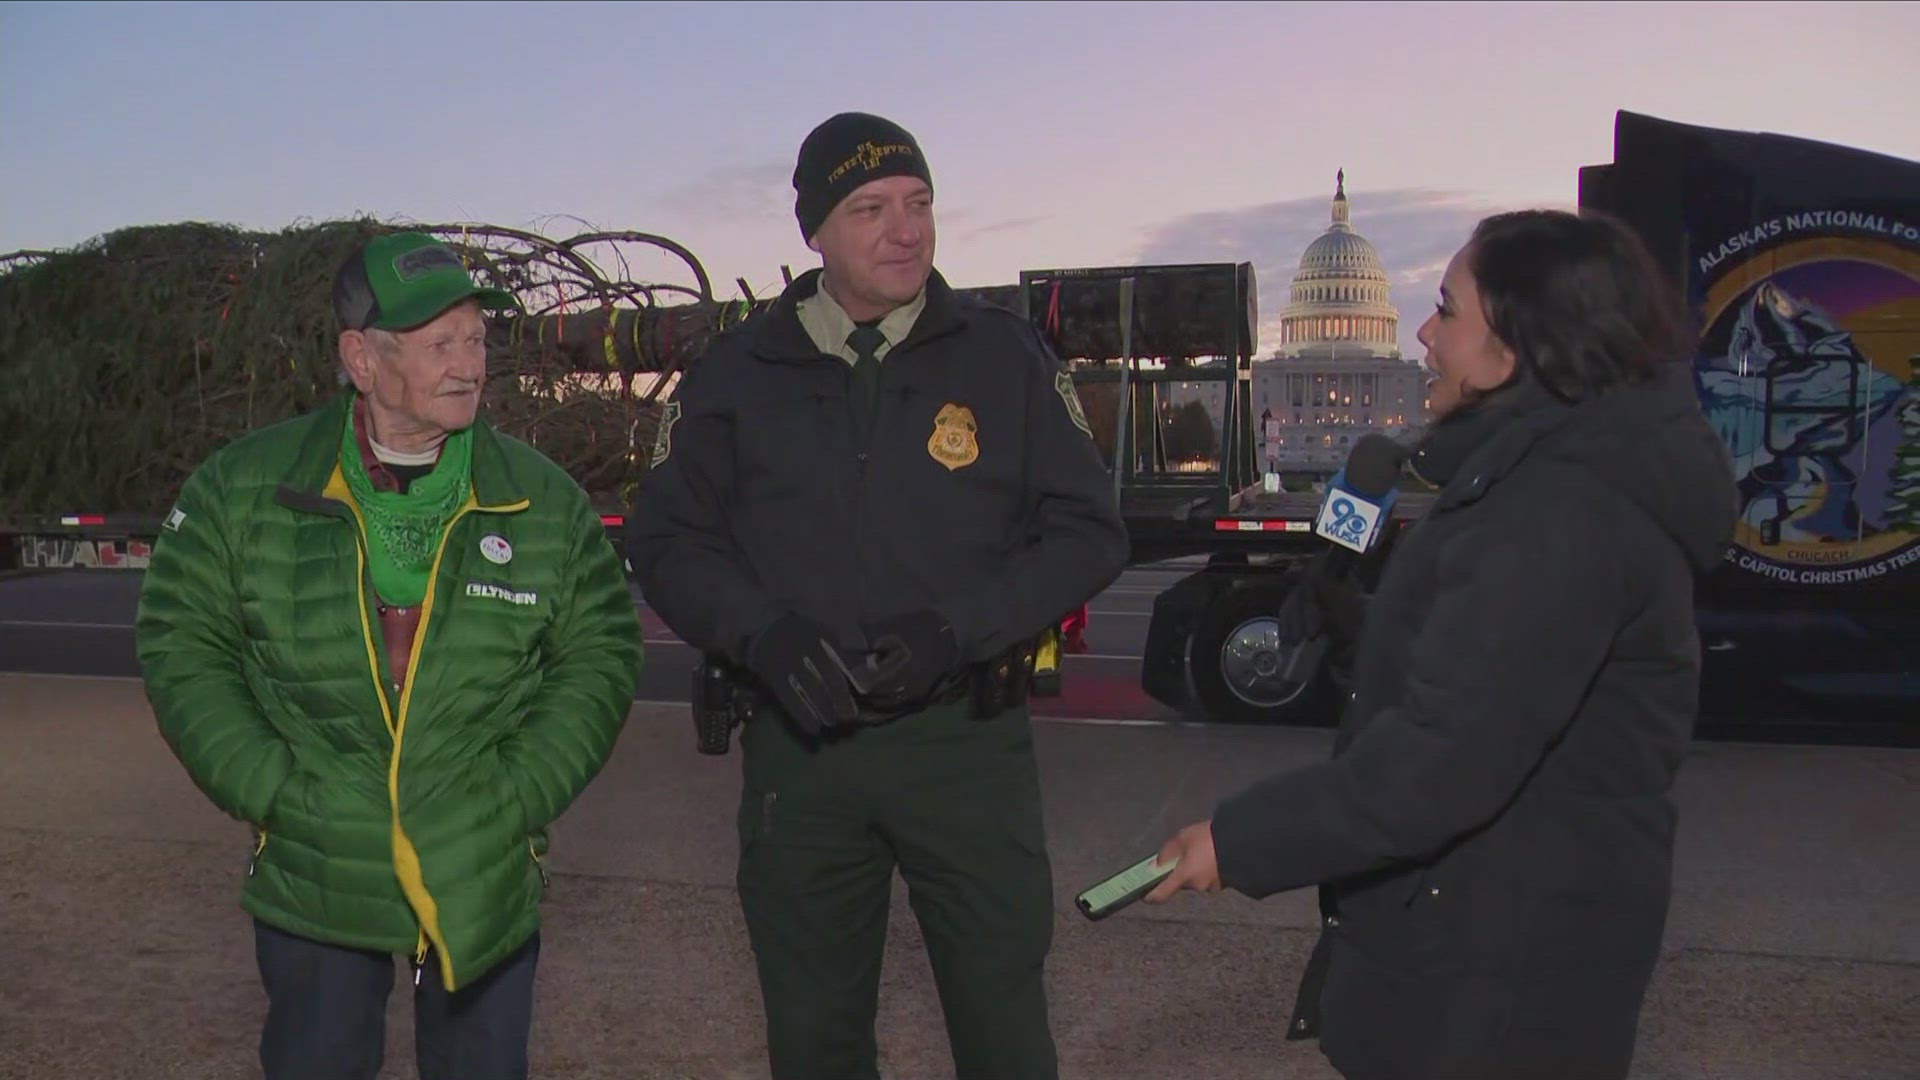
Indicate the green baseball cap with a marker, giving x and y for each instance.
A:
(401, 280)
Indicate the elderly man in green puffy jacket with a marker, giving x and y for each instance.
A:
(398, 644)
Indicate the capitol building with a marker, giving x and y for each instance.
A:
(1337, 374)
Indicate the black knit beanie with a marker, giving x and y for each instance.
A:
(845, 152)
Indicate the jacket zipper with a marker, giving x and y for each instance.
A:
(540, 865)
(406, 857)
(259, 845)
(862, 451)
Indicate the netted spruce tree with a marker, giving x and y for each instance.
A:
(125, 361)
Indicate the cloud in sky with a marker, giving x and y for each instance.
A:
(1415, 230)
(735, 193)
(1011, 225)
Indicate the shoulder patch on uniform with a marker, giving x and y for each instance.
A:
(1063, 385)
(663, 435)
(174, 519)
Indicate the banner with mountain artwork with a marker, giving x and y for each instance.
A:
(1807, 368)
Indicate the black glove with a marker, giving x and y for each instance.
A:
(1323, 600)
(1343, 606)
(1299, 617)
(796, 664)
(910, 654)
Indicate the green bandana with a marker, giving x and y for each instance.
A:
(403, 530)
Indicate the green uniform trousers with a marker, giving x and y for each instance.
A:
(954, 802)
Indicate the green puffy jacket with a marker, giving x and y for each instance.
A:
(389, 821)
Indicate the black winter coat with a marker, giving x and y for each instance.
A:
(980, 494)
(1494, 831)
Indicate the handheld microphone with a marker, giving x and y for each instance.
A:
(1360, 495)
(1352, 516)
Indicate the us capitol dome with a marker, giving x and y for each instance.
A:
(1337, 374)
(1338, 302)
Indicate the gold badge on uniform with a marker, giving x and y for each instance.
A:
(953, 443)
(663, 435)
(1063, 385)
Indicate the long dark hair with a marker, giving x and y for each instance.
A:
(1578, 298)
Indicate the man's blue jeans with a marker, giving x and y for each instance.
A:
(327, 1013)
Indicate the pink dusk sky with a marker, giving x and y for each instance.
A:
(1058, 134)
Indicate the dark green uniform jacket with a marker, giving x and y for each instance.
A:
(981, 494)
(388, 819)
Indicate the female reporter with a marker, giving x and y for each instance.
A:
(1494, 831)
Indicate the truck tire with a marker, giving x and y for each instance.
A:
(1238, 662)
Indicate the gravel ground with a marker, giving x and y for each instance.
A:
(1794, 949)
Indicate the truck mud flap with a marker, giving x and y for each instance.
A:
(1176, 612)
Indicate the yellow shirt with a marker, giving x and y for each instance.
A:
(828, 324)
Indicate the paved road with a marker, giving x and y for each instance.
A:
(1794, 948)
(81, 623)
(1793, 951)
(1758, 667)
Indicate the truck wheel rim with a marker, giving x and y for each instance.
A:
(1251, 660)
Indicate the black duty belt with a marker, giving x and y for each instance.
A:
(992, 686)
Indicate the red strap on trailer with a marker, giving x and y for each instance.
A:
(1257, 525)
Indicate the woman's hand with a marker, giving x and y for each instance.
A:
(1192, 849)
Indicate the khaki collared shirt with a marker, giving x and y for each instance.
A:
(828, 324)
